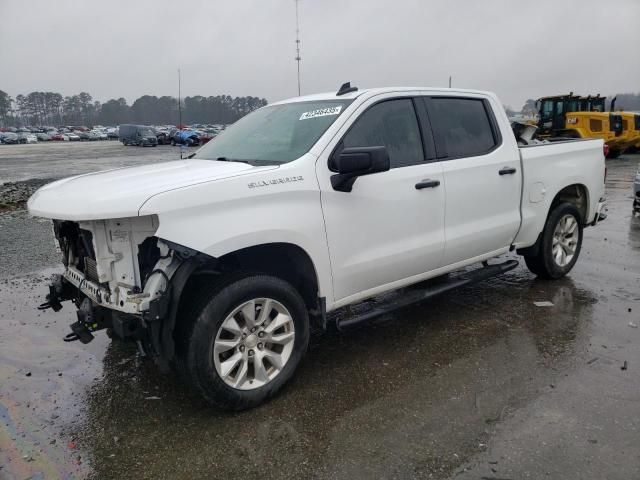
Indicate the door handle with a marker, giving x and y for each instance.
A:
(428, 183)
(507, 171)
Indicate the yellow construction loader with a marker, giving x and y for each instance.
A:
(631, 130)
(573, 116)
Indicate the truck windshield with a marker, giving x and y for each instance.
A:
(274, 134)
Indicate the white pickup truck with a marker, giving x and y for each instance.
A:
(218, 265)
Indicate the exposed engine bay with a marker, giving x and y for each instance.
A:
(117, 273)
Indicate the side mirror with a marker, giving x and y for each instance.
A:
(354, 162)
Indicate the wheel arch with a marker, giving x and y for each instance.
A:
(286, 261)
(577, 194)
(283, 260)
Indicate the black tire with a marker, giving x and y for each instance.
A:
(614, 153)
(201, 321)
(543, 264)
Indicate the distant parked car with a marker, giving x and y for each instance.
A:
(72, 137)
(82, 134)
(99, 134)
(206, 135)
(9, 138)
(112, 133)
(137, 135)
(27, 138)
(163, 137)
(185, 137)
(59, 137)
(43, 137)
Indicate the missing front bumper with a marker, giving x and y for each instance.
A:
(91, 315)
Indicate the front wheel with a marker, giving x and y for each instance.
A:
(243, 339)
(560, 243)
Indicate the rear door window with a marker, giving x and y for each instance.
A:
(462, 127)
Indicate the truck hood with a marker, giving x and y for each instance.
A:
(121, 192)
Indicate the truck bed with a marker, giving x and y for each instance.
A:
(576, 161)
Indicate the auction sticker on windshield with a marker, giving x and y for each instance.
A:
(321, 112)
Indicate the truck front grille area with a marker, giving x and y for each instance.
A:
(91, 269)
(76, 245)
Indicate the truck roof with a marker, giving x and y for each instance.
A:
(370, 92)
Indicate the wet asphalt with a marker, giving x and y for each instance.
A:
(478, 383)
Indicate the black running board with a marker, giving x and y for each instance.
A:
(420, 294)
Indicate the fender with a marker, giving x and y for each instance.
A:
(162, 313)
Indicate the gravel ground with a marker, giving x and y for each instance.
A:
(476, 384)
(25, 168)
(14, 195)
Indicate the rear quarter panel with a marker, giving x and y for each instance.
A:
(549, 168)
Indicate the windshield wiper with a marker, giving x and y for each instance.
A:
(225, 159)
(190, 156)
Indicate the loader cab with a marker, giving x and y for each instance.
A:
(592, 104)
(552, 112)
(574, 116)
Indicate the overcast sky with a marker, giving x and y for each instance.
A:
(519, 49)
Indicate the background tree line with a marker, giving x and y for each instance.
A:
(52, 109)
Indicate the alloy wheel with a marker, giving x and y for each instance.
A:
(565, 240)
(253, 344)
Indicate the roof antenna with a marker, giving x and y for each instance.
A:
(346, 88)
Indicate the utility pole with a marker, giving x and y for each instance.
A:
(298, 58)
(180, 109)
(179, 103)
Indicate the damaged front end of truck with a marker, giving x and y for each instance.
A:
(123, 278)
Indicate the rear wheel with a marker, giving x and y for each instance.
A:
(560, 243)
(243, 339)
